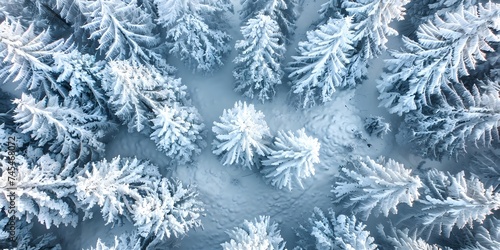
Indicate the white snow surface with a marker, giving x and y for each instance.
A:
(232, 194)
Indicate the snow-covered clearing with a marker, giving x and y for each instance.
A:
(232, 194)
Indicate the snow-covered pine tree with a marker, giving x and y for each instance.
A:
(177, 132)
(485, 236)
(450, 201)
(375, 125)
(258, 64)
(24, 238)
(42, 191)
(65, 129)
(129, 241)
(283, 12)
(69, 11)
(122, 29)
(337, 232)
(135, 91)
(114, 186)
(27, 57)
(405, 240)
(82, 74)
(486, 165)
(446, 131)
(330, 9)
(291, 159)
(427, 71)
(259, 234)
(194, 31)
(371, 23)
(374, 187)
(241, 135)
(320, 67)
(422, 11)
(171, 211)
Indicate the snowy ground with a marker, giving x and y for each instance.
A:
(232, 194)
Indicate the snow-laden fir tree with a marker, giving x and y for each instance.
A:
(448, 48)
(177, 132)
(375, 125)
(241, 135)
(66, 129)
(446, 131)
(371, 23)
(194, 31)
(122, 29)
(82, 73)
(283, 12)
(291, 159)
(422, 11)
(27, 57)
(486, 165)
(24, 238)
(129, 241)
(171, 211)
(258, 64)
(320, 67)
(485, 236)
(114, 186)
(42, 191)
(67, 11)
(135, 91)
(450, 201)
(374, 187)
(330, 231)
(405, 240)
(259, 234)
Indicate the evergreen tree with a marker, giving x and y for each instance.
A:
(66, 129)
(485, 236)
(122, 29)
(320, 67)
(136, 91)
(291, 159)
(241, 135)
(370, 27)
(447, 131)
(193, 31)
(42, 191)
(371, 23)
(375, 125)
(422, 11)
(283, 12)
(429, 70)
(83, 75)
(370, 187)
(177, 132)
(258, 68)
(259, 234)
(337, 232)
(486, 165)
(450, 201)
(130, 241)
(171, 211)
(404, 240)
(27, 57)
(115, 185)
(24, 238)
